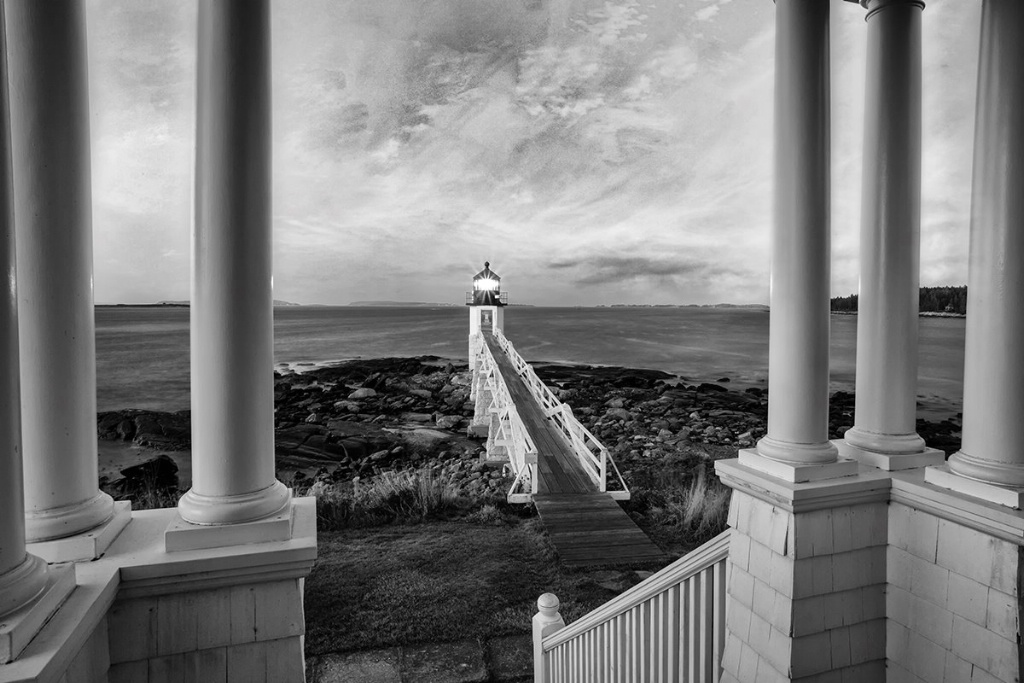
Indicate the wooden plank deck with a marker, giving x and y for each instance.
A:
(587, 527)
(592, 529)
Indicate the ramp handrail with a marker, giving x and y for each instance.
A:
(670, 627)
(592, 454)
(512, 432)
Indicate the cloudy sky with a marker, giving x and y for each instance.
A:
(594, 151)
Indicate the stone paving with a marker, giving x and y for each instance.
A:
(506, 659)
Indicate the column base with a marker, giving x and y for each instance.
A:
(70, 520)
(201, 509)
(20, 627)
(182, 535)
(943, 477)
(85, 546)
(890, 461)
(798, 472)
(22, 584)
(876, 442)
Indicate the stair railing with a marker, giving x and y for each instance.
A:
(670, 627)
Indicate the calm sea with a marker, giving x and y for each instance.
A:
(142, 353)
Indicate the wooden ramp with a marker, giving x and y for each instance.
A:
(586, 526)
(591, 528)
(560, 471)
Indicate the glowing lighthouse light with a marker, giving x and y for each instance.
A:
(487, 285)
(486, 289)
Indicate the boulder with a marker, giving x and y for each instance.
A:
(448, 421)
(154, 429)
(619, 414)
(158, 473)
(363, 392)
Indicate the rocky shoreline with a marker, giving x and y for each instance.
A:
(363, 417)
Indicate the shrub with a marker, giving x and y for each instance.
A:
(684, 507)
(387, 498)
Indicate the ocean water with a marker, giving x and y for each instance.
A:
(142, 353)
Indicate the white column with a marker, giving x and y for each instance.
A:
(22, 576)
(53, 207)
(993, 424)
(887, 321)
(232, 329)
(798, 342)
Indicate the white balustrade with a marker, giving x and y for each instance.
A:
(670, 627)
(512, 433)
(592, 454)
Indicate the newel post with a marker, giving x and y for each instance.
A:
(545, 622)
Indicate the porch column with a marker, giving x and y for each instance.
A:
(884, 432)
(799, 332)
(49, 102)
(232, 328)
(992, 450)
(22, 576)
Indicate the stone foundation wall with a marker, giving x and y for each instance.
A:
(953, 602)
(807, 592)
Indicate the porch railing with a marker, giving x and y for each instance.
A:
(670, 627)
(590, 452)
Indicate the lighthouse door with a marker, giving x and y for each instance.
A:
(486, 320)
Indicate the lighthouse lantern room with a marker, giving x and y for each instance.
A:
(486, 306)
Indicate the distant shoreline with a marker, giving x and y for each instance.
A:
(921, 314)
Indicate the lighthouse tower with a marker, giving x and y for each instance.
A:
(486, 308)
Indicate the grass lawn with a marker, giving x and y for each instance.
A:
(437, 581)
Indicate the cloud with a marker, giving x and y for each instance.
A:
(706, 13)
(617, 269)
(413, 141)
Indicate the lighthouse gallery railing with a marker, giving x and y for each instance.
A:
(668, 628)
(592, 454)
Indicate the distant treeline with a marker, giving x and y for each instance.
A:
(932, 300)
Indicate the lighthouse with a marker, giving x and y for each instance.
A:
(486, 308)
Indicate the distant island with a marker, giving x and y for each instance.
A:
(932, 301)
(756, 307)
(177, 304)
(401, 304)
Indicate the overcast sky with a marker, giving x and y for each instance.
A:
(594, 151)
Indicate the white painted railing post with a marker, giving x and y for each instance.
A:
(604, 470)
(545, 622)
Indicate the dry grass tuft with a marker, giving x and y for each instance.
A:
(393, 497)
